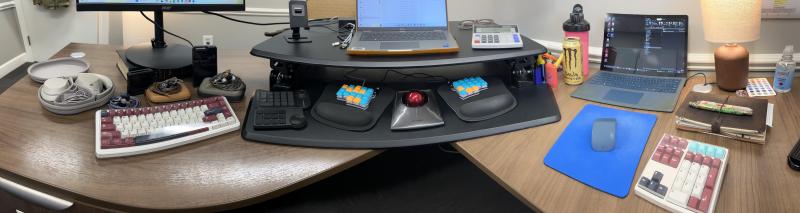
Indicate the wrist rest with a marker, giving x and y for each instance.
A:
(337, 114)
(496, 100)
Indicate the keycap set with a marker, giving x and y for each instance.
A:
(123, 132)
(683, 175)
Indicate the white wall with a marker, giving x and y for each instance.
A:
(52, 30)
(539, 19)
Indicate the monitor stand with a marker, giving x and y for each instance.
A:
(157, 54)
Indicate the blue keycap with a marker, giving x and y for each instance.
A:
(693, 147)
(720, 153)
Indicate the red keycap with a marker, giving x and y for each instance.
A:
(665, 158)
(476, 41)
(210, 118)
(712, 177)
(116, 141)
(212, 105)
(689, 156)
(693, 201)
(220, 98)
(115, 134)
(208, 100)
(697, 158)
(677, 152)
(674, 161)
(182, 105)
(683, 143)
(129, 142)
(705, 200)
(105, 143)
(664, 140)
(657, 156)
(716, 163)
(107, 127)
(112, 113)
(147, 110)
(670, 149)
(707, 160)
(674, 141)
(661, 148)
(227, 114)
(107, 135)
(106, 120)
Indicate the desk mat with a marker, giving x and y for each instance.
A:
(611, 172)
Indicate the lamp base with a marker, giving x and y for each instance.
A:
(731, 62)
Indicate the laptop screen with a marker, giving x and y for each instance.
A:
(402, 13)
(646, 44)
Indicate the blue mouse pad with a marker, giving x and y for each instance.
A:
(611, 172)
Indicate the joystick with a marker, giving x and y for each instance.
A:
(415, 98)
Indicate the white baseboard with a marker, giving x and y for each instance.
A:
(12, 64)
(697, 61)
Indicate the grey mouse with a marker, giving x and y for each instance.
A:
(604, 134)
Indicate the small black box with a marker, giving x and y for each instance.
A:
(204, 63)
(139, 80)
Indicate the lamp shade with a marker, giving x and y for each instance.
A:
(731, 21)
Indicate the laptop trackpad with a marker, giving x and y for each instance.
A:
(403, 45)
(623, 96)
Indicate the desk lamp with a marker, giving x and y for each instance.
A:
(731, 22)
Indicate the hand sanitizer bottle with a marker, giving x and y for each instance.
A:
(784, 71)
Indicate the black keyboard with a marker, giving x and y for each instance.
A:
(280, 109)
(634, 82)
(266, 98)
(403, 36)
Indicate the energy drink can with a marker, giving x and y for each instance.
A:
(573, 61)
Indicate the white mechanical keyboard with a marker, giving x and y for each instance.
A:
(125, 132)
(683, 175)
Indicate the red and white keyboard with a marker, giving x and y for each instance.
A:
(683, 175)
(125, 132)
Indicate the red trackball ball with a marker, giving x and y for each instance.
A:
(415, 98)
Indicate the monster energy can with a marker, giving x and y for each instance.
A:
(573, 61)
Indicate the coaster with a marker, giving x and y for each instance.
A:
(758, 87)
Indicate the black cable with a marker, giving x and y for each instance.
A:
(417, 75)
(243, 21)
(347, 75)
(162, 29)
(705, 79)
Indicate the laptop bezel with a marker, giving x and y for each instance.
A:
(359, 28)
(655, 74)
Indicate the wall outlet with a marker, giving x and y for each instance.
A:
(208, 40)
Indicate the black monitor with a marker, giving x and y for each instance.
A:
(158, 54)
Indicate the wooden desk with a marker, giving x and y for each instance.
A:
(757, 178)
(55, 154)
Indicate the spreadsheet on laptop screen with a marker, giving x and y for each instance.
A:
(649, 45)
(402, 13)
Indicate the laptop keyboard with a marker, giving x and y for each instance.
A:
(403, 36)
(633, 82)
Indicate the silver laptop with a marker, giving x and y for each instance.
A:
(643, 63)
(402, 27)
